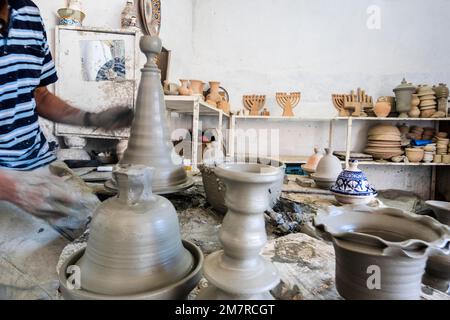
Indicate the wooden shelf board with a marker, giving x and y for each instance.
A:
(392, 119)
(185, 105)
(421, 164)
(278, 118)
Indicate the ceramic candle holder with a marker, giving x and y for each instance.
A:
(238, 271)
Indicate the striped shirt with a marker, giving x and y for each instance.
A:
(25, 64)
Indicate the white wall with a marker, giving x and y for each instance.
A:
(317, 47)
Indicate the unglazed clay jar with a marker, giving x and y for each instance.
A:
(184, 89)
(328, 170)
(403, 96)
(352, 186)
(215, 188)
(134, 245)
(382, 109)
(238, 271)
(311, 166)
(388, 245)
(197, 87)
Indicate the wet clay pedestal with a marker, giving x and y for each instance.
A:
(238, 271)
(150, 142)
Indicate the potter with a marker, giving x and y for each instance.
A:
(33, 190)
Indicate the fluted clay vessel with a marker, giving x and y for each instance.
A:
(381, 253)
(134, 246)
(238, 271)
(438, 266)
(149, 142)
(215, 188)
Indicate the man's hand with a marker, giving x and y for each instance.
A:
(112, 119)
(45, 195)
(54, 109)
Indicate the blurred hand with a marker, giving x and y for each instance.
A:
(45, 195)
(111, 119)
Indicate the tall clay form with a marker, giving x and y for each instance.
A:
(134, 249)
(149, 142)
(238, 271)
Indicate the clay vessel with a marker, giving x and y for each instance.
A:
(415, 155)
(382, 109)
(441, 91)
(311, 165)
(352, 186)
(214, 96)
(327, 170)
(403, 96)
(215, 187)
(238, 271)
(149, 143)
(171, 89)
(381, 253)
(197, 87)
(438, 266)
(414, 112)
(134, 245)
(184, 89)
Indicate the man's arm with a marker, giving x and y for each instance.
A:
(54, 109)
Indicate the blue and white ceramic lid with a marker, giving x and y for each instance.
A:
(353, 182)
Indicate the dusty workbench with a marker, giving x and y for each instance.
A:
(305, 263)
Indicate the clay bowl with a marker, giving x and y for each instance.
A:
(415, 155)
(442, 135)
(322, 183)
(396, 242)
(215, 188)
(427, 113)
(177, 291)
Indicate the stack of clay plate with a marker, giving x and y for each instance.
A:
(442, 146)
(428, 103)
(384, 142)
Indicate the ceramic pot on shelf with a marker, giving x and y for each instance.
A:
(352, 186)
(197, 87)
(403, 95)
(327, 171)
(392, 244)
(311, 165)
(382, 109)
(238, 271)
(214, 96)
(134, 249)
(184, 89)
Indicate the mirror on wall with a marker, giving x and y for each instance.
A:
(103, 60)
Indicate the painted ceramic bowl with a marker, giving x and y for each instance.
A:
(352, 186)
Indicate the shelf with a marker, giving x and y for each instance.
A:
(421, 164)
(392, 119)
(185, 105)
(278, 118)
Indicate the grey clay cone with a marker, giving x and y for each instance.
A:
(134, 249)
(149, 143)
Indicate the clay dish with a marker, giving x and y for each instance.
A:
(427, 103)
(427, 113)
(399, 243)
(442, 135)
(428, 108)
